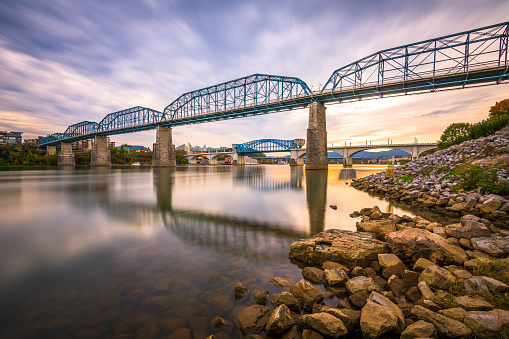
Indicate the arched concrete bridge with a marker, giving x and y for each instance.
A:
(297, 154)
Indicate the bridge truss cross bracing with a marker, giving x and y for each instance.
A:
(471, 58)
(266, 145)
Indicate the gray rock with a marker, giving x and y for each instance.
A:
(419, 329)
(335, 276)
(473, 304)
(261, 297)
(379, 316)
(427, 293)
(490, 205)
(495, 246)
(421, 264)
(390, 265)
(471, 229)
(487, 324)
(279, 321)
(253, 319)
(314, 274)
(445, 326)
(438, 277)
(410, 244)
(324, 323)
(456, 313)
(483, 284)
(344, 247)
(306, 294)
(351, 318)
(379, 227)
(360, 283)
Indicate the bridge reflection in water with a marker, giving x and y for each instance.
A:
(258, 240)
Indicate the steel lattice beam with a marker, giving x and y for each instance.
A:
(266, 145)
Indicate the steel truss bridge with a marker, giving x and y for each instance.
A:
(266, 145)
(471, 58)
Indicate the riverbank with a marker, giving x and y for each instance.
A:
(469, 178)
(397, 277)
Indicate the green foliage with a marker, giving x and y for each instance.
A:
(82, 158)
(494, 269)
(501, 108)
(25, 155)
(454, 134)
(180, 158)
(472, 176)
(406, 178)
(389, 171)
(488, 127)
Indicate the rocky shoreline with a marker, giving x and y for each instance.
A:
(396, 277)
(423, 182)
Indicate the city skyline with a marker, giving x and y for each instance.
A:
(62, 63)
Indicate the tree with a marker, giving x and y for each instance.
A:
(180, 158)
(455, 134)
(500, 108)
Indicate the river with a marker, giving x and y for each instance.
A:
(92, 252)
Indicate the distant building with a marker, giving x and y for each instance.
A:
(136, 148)
(31, 142)
(13, 138)
(183, 147)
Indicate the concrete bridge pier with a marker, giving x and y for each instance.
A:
(51, 150)
(100, 155)
(163, 150)
(316, 148)
(347, 162)
(415, 152)
(66, 156)
(238, 159)
(295, 158)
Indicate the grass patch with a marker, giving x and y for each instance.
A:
(406, 178)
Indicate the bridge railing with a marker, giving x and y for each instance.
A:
(433, 59)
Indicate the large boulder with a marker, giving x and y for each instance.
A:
(390, 265)
(344, 247)
(379, 316)
(488, 324)
(473, 304)
(482, 284)
(410, 244)
(323, 323)
(306, 294)
(279, 321)
(419, 329)
(471, 229)
(495, 246)
(379, 227)
(360, 283)
(253, 319)
(445, 326)
(491, 205)
(438, 277)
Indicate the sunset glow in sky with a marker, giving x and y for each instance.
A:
(63, 61)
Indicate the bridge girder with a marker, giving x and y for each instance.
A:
(427, 65)
(266, 145)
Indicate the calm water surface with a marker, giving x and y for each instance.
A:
(92, 253)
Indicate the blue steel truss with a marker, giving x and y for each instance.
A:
(251, 95)
(471, 57)
(454, 61)
(266, 145)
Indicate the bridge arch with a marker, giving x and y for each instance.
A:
(268, 145)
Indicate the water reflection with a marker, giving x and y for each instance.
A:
(316, 195)
(347, 173)
(256, 178)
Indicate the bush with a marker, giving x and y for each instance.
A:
(454, 134)
(389, 171)
(501, 108)
(473, 176)
(406, 178)
(488, 127)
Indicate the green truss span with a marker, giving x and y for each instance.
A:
(471, 58)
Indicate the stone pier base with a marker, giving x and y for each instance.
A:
(163, 154)
(66, 156)
(51, 150)
(316, 149)
(100, 155)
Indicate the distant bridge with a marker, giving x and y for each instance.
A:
(471, 58)
(297, 154)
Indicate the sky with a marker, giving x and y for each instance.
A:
(63, 62)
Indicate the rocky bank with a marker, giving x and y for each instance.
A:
(422, 183)
(397, 277)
